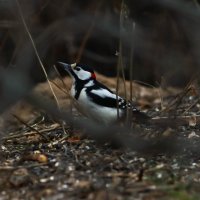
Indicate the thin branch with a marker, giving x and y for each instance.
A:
(61, 89)
(33, 129)
(87, 35)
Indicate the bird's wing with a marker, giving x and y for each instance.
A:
(104, 97)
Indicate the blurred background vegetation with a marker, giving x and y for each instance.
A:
(160, 38)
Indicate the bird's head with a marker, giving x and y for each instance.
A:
(79, 72)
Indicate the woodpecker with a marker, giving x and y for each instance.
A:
(95, 100)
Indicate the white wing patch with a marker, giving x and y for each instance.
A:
(104, 93)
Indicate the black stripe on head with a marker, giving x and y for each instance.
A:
(79, 85)
(86, 68)
(73, 74)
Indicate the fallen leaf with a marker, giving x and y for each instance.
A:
(74, 139)
(36, 156)
(193, 121)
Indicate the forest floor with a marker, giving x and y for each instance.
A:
(39, 160)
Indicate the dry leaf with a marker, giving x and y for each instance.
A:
(74, 139)
(36, 156)
(193, 121)
(192, 135)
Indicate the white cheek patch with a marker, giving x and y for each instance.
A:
(83, 75)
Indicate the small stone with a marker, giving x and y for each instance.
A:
(19, 177)
(168, 132)
(192, 121)
(193, 135)
(83, 184)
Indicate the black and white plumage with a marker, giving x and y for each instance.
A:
(94, 99)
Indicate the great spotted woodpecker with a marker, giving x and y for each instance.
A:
(95, 100)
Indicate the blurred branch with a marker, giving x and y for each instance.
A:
(7, 24)
(88, 33)
(36, 52)
(33, 132)
(32, 128)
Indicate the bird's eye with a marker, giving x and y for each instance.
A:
(78, 68)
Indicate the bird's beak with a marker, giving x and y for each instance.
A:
(68, 67)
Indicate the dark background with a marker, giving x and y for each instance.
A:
(165, 37)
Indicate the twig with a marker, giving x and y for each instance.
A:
(117, 87)
(119, 63)
(61, 89)
(129, 114)
(131, 65)
(191, 106)
(176, 102)
(120, 174)
(61, 139)
(36, 131)
(176, 117)
(18, 167)
(31, 133)
(67, 93)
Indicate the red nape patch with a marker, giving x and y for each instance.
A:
(93, 75)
